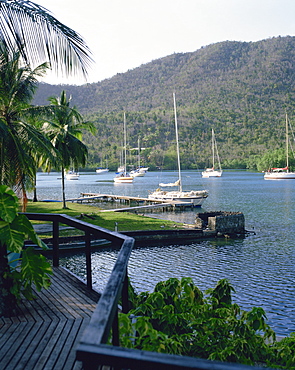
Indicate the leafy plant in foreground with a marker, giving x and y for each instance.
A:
(19, 267)
(177, 318)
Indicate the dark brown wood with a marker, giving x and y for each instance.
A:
(88, 259)
(126, 358)
(55, 235)
(45, 332)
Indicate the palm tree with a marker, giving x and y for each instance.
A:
(65, 132)
(20, 140)
(42, 38)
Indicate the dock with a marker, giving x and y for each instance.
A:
(143, 204)
(44, 332)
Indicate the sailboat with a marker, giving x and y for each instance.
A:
(212, 172)
(101, 170)
(194, 197)
(139, 171)
(124, 177)
(281, 173)
(72, 175)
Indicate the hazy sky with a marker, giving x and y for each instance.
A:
(124, 34)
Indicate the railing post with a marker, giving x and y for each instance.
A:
(88, 259)
(55, 246)
(115, 331)
(125, 303)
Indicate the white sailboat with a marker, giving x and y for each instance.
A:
(72, 175)
(282, 173)
(101, 170)
(194, 197)
(213, 172)
(124, 177)
(139, 171)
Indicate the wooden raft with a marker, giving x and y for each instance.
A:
(45, 332)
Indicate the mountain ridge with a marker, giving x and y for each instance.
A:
(241, 89)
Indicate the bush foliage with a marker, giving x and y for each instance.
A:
(178, 318)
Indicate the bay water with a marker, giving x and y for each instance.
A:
(260, 266)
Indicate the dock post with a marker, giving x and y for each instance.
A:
(88, 259)
(55, 246)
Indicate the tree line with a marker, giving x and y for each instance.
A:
(240, 89)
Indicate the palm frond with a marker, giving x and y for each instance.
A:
(42, 38)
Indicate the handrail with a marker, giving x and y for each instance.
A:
(92, 349)
(89, 230)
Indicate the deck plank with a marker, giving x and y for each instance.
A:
(44, 332)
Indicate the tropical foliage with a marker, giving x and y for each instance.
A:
(41, 38)
(20, 140)
(64, 130)
(29, 37)
(19, 267)
(178, 318)
(239, 89)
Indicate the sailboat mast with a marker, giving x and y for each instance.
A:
(138, 152)
(287, 143)
(213, 148)
(125, 140)
(177, 143)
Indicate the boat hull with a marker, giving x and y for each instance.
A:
(211, 173)
(195, 198)
(102, 170)
(279, 175)
(72, 176)
(123, 180)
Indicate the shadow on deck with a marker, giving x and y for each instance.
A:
(45, 332)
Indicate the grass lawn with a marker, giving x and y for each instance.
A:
(125, 221)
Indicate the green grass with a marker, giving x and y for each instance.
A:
(125, 221)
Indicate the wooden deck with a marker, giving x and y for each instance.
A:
(44, 333)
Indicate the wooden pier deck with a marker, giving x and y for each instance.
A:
(45, 332)
(144, 204)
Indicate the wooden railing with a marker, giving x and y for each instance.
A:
(92, 349)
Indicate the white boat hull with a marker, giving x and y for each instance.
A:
(137, 174)
(72, 176)
(212, 173)
(102, 170)
(123, 180)
(195, 198)
(279, 175)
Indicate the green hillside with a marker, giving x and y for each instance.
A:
(240, 89)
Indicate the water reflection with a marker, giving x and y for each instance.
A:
(260, 267)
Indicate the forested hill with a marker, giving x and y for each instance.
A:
(241, 89)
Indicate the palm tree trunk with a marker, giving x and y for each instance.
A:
(35, 189)
(63, 187)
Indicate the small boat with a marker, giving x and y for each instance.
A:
(281, 173)
(139, 171)
(194, 197)
(72, 175)
(124, 177)
(212, 172)
(101, 170)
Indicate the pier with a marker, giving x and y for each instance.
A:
(45, 332)
(143, 204)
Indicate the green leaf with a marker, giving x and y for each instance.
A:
(35, 269)
(23, 223)
(8, 204)
(11, 237)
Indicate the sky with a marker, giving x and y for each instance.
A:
(124, 34)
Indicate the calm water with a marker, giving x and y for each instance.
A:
(260, 267)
